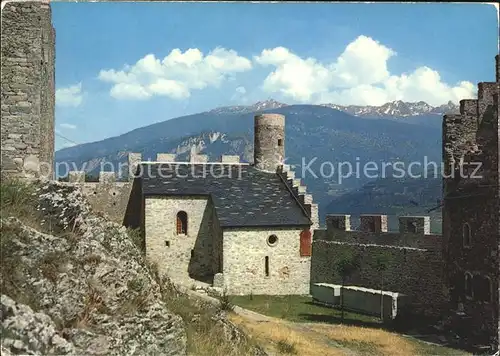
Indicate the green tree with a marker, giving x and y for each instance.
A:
(346, 263)
(382, 262)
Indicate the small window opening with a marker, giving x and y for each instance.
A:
(468, 285)
(280, 142)
(466, 234)
(167, 243)
(272, 240)
(192, 253)
(267, 266)
(181, 223)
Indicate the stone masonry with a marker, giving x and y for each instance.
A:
(269, 141)
(461, 269)
(471, 218)
(414, 260)
(187, 256)
(28, 89)
(245, 252)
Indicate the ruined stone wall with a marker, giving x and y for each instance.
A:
(414, 263)
(28, 91)
(110, 198)
(245, 250)
(182, 257)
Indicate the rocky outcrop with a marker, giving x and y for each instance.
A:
(82, 288)
(27, 332)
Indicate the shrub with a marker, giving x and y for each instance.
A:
(225, 302)
(137, 238)
(17, 198)
(286, 347)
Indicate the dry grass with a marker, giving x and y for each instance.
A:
(367, 341)
(325, 340)
(205, 337)
(271, 333)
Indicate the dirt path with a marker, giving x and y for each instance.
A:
(270, 330)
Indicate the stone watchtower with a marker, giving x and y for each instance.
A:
(28, 89)
(269, 141)
(471, 215)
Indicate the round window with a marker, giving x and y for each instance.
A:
(272, 240)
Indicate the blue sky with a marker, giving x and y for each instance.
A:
(121, 66)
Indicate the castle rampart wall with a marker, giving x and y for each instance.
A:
(414, 260)
(119, 200)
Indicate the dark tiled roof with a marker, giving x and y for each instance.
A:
(241, 194)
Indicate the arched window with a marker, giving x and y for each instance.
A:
(182, 223)
(468, 285)
(466, 235)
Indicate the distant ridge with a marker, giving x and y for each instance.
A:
(391, 109)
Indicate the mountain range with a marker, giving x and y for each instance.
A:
(393, 109)
(318, 137)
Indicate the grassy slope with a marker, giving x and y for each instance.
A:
(312, 329)
(17, 199)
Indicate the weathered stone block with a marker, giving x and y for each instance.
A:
(373, 223)
(230, 159)
(195, 158)
(338, 222)
(415, 224)
(133, 161)
(107, 177)
(76, 176)
(165, 157)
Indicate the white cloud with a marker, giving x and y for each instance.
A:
(240, 95)
(360, 75)
(69, 96)
(68, 126)
(241, 90)
(176, 75)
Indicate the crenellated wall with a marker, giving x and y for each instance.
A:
(120, 201)
(413, 257)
